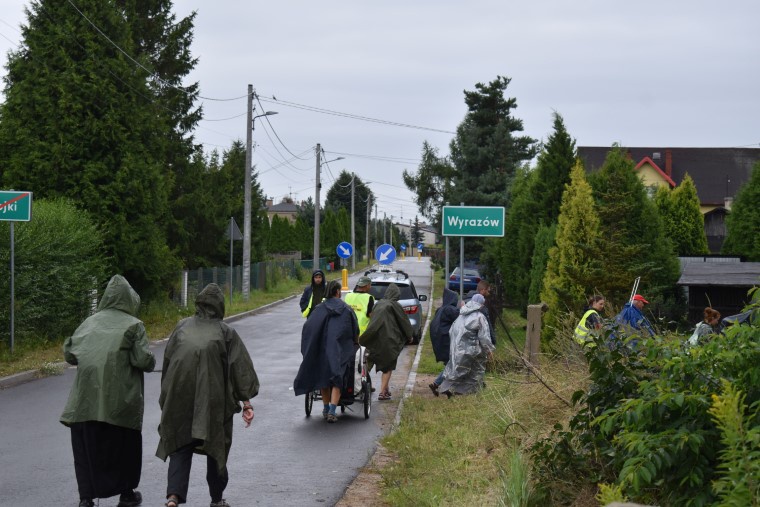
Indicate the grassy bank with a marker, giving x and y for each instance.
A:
(159, 319)
(471, 450)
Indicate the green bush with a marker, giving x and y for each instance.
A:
(645, 422)
(59, 268)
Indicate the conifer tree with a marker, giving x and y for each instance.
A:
(681, 217)
(635, 243)
(568, 278)
(487, 149)
(743, 223)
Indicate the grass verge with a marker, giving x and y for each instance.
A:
(471, 450)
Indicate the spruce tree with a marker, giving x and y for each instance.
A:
(743, 223)
(487, 149)
(568, 278)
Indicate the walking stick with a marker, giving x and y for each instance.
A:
(635, 289)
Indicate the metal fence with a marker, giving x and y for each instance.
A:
(263, 275)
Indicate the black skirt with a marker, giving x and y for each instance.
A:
(107, 458)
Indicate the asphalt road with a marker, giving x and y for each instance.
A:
(284, 458)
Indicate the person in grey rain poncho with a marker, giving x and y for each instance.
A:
(470, 348)
(105, 407)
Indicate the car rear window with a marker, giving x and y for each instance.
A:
(378, 290)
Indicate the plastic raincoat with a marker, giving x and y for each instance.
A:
(110, 350)
(207, 372)
(328, 344)
(388, 331)
(441, 325)
(470, 346)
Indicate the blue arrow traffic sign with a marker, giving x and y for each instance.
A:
(419, 246)
(385, 254)
(344, 250)
(403, 247)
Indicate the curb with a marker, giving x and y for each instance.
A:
(31, 375)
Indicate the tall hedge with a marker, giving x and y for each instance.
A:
(59, 266)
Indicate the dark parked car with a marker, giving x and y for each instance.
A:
(409, 300)
(471, 279)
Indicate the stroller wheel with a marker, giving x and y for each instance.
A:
(308, 403)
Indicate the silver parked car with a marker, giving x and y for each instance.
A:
(409, 300)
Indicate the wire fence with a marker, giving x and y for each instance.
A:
(264, 275)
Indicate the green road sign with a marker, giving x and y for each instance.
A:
(15, 206)
(473, 221)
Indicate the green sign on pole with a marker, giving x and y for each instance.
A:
(473, 221)
(15, 206)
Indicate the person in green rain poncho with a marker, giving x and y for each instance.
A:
(388, 331)
(105, 406)
(206, 373)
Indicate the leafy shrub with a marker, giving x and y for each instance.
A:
(645, 422)
(59, 267)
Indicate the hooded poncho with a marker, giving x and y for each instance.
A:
(470, 346)
(441, 324)
(207, 371)
(388, 331)
(328, 345)
(110, 349)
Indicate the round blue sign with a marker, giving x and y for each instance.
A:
(344, 250)
(403, 247)
(385, 254)
(419, 246)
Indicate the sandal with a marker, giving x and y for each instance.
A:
(172, 501)
(384, 396)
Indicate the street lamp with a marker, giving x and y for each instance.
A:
(315, 261)
(247, 194)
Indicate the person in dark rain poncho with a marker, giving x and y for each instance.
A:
(388, 331)
(105, 406)
(328, 344)
(314, 293)
(207, 372)
(439, 332)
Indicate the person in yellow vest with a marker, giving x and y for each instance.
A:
(591, 321)
(361, 301)
(314, 293)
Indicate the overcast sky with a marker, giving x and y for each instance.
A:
(672, 73)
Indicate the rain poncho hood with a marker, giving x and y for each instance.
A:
(110, 350)
(328, 341)
(441, 324)
(470, 346)
(388, 331)
(207, 372)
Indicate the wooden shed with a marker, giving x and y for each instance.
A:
(723, 286)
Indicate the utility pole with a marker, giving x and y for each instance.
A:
(391, 243)
(353, 243)
(385, 224)
(315, 264)
(247, 194)
(369, 207)
(375, 227)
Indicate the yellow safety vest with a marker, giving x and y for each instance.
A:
(359, 301)
(305, 313)
(581, 331)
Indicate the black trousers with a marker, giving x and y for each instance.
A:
(180, 463)
(107, 458)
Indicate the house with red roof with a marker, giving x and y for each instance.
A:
(718, 173)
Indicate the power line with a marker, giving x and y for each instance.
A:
(273, 130)
(349, 115)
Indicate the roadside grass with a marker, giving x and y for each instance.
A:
(159, 318)
(472, 450)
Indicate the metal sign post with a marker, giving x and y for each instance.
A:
(14, 207)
